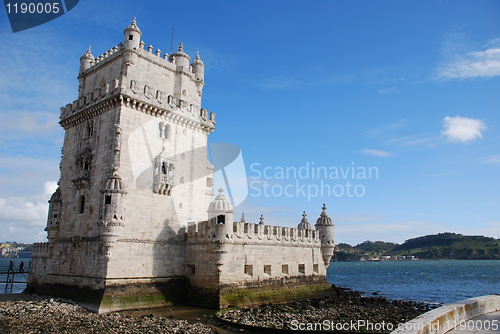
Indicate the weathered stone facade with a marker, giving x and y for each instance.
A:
(128, 226)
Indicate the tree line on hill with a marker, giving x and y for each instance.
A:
(430, 247)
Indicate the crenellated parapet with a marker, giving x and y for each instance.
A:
(40, 250)
(89, 63)
(250, 233)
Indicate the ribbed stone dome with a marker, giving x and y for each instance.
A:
(220, 203)
(304, 223)
(197, 60)
(87, 55)
(133, 27)
(56, 196)
(323, 218)
(180, 53)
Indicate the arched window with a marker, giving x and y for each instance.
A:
(81, 205)
(89, 129)
(161, 128)
(166, 131)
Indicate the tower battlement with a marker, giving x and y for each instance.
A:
(250, 233)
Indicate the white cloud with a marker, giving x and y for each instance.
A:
(23, 219)
(49, 187)
(462, 129)
(428, 140)
(492, 159)
(23, 122)
(377, 153)
(484, 64)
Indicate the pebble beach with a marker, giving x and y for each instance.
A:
(28, 314)
(50, 315)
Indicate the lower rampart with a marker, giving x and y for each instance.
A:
(275, 290)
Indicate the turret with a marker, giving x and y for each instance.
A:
(112, 201)
(304, 223)
(199, 72)
(325, 226)
(112, 212)
(54, 217)
(220, 214)
(132, 36)
(86, 60)
(198, 68)
(181, 58)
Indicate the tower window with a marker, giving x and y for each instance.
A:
(89, 129)
(316, 268)
(302, 268)
(248, 270)
(267, 269)
(107, 199)
(166, 134)
(191, 270)
(161, 127)
(81, 208)
(221, 219)
(130, 37)
(284, 269)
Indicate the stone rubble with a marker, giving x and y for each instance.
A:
(350, 308)
(48, 315)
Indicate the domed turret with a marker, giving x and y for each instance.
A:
(132, 36)
(220, 210)
(323, 218)
(304, 223)
(198, 68)
(54, 217)
(325, 226)
(86, 60)
(113, 192)
(181, 58)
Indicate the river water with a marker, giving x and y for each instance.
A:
(433, 281)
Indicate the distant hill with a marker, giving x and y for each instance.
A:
(437, 246)
(450, 246)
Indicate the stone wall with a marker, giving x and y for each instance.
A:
(447, 317)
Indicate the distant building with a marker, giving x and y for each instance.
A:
(128, 226)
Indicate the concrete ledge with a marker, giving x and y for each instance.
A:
(447, 317)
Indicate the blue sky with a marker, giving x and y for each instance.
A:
(408, 88)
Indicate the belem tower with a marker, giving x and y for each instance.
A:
(133, 223)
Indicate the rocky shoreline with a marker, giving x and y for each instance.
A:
(344, 310)
(33, 314)
(50, 315)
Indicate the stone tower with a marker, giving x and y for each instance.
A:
(134, 171)
(131, 224)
